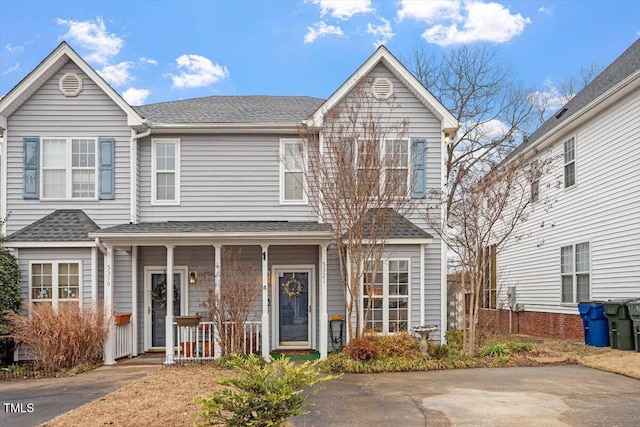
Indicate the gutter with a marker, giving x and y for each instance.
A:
(133, 171)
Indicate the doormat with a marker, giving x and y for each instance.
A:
(296, 356)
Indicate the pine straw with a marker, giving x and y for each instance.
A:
(164, 398)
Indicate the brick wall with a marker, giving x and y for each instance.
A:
(533, 323)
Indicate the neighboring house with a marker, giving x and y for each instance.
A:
(581, 241)
(106, 201)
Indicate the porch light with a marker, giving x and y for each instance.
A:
(193, 277)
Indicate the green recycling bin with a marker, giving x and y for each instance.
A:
(620, 325)
(634, 312)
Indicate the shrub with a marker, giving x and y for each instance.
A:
(520, 347)
(265, 395)
(362, 349)
(67, 339)
(398, 345)
(454, 338)
(496, 349)
(10, 301)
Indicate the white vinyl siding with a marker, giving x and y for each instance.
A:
(605, 213)
(292, 180)
(165, 174)
(388, 292)
(69, 168)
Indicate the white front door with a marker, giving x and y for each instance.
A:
(293, 311)
(155, 312)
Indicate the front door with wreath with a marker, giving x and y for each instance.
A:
(293, 309)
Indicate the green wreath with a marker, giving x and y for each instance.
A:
(159, 293)
(293, 287)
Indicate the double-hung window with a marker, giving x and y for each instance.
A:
(535, 182)
(488, 257)
(569, 163)
(69, 168)
(165, 154)
(386, 296)
(292, 183)
(397, 165)
(55, 283)
(574, 272)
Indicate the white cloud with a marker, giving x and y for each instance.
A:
(321, 29)
(117, 74)
(93, 36)
(12, 69)
(429, 11)
(197, 71)
(14, 49)
(455, 21)
(343, 9)
(545, 10)
(136, 96)
(549, 99)
(148, 61)
(490, 22)
(382, 32)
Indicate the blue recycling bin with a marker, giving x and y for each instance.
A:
(596, 327)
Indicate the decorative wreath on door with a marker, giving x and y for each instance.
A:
(159, 293)
(293, 287)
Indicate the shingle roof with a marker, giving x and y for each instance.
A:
(625, 65)
(63, 225)
(232, 109)
(395, 226)
(186, 227)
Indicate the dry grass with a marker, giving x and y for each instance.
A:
(604, 358)
(165, 398)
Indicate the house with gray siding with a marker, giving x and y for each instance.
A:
(581, 240)
(105, 202)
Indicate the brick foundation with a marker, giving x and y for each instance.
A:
(533, 323)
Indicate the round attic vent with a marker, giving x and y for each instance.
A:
(70, 84)
(382, 88)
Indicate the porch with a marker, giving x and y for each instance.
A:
(291, 261)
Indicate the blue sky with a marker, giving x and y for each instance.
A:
(153, 51)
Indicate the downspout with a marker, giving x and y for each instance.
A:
(133, 171)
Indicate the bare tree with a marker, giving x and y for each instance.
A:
(230, 309)
(485, 218)
(480, 92)
(357, 181)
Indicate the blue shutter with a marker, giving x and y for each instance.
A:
(31, 186)
(106, 180)
(418, 184)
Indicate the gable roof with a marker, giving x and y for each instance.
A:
(383, 56)
(233, 109)
(622, 71)
(62, 225)
(45, 70)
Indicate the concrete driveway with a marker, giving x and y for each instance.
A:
(552, 396)
(31, 402)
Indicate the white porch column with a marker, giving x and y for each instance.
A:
(324, 318)
(169, 318)
(94, 279)
(110, 344)
(265, 302)
(217, 351)
(422, 290)
(134, 300)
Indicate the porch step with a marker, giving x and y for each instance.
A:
(296, 355)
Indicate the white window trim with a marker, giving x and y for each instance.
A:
(283, 170)
(54, 281)
(385, 295)
(574, 273)
(154, 201)
(574, 161)
(69, 169)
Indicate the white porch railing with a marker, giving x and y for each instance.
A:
(124, 340)
(198, 342)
